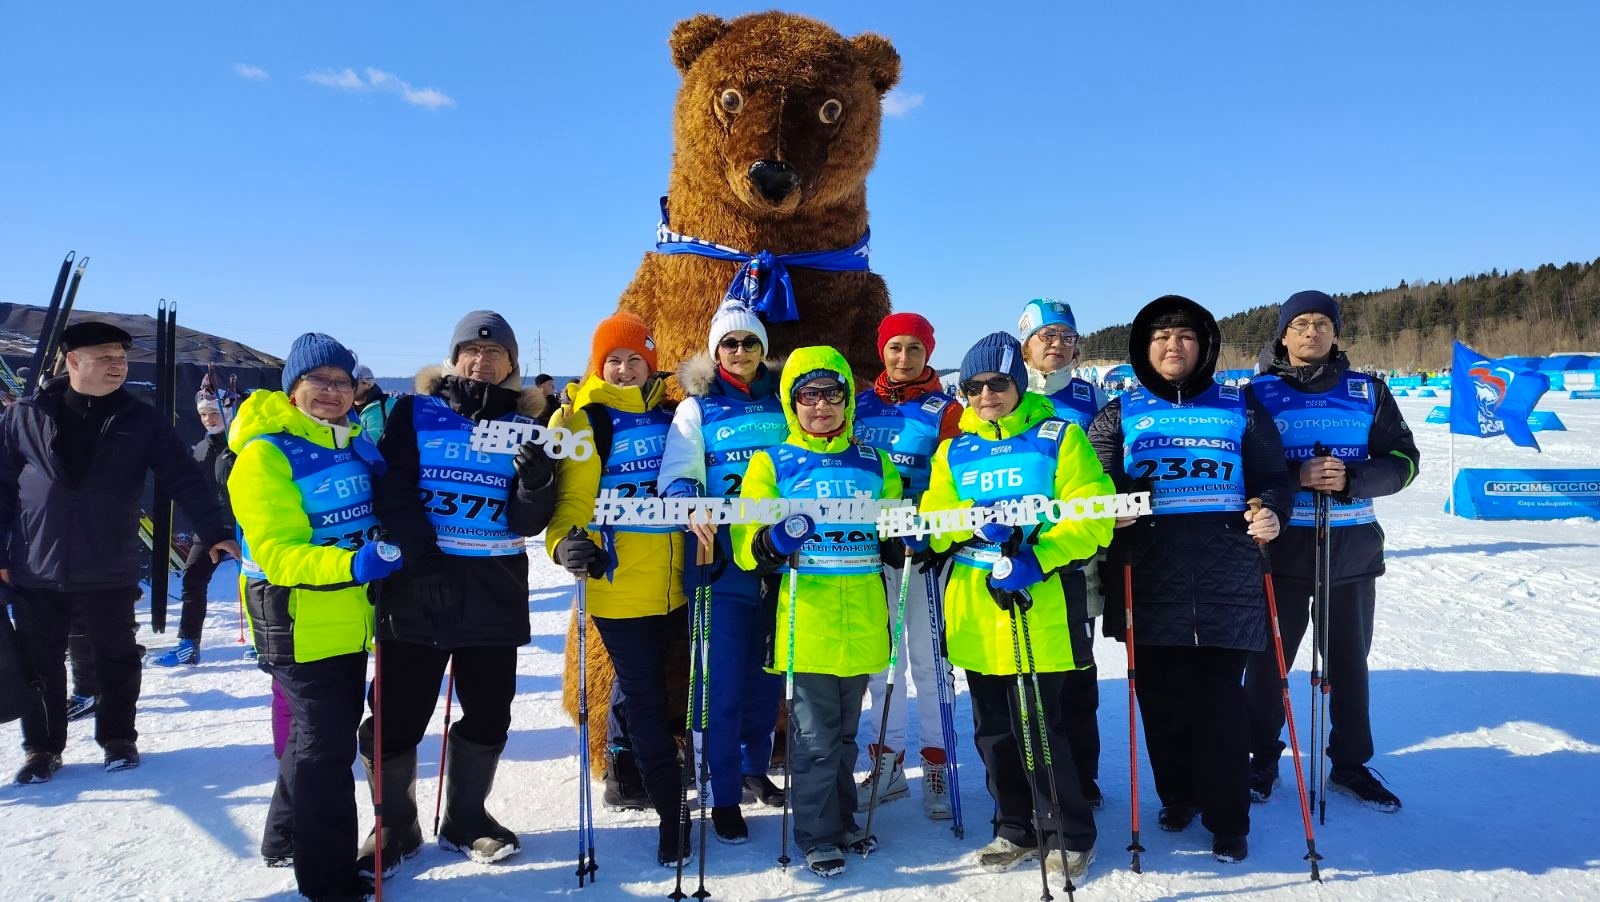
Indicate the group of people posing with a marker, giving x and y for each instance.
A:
(429, 537)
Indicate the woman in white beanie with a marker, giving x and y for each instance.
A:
(732, 412)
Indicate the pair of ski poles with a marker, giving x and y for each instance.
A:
(1320, 683)
(695, 720)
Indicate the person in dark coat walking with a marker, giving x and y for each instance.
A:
(1199, 603)
(216, 462)
(1316, 398)
(73, 461)
(461, 517)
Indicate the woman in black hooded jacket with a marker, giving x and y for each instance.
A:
(1199, 606)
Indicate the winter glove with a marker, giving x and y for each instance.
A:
(580, 555)
(892, 552)
(773, 546)
(1017, 571)
(997, 533)
(373, 561)
(683, 487)
(535, 469)
(431, 583)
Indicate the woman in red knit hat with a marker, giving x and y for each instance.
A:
(907, 414)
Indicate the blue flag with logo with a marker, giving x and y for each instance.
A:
(1489, 398)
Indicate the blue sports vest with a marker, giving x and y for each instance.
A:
(1191, 453)
(465, 492)
(1075, 403)
(1340, 418)
(335, 487)
(908, 432)
(733, 430)
(634, 461)
(837, 548)
(988, 471)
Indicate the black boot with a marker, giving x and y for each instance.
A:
(468, 774)
(672, 837)
(624, 786)
(402, 835)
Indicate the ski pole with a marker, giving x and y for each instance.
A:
(1133, 713)
(1319, 641)
(585, 797)
(1026, 752)
(705, 701)
(1288, 710)
(1323, 612)
(946, 699)
(376, 593)
(1044, 748)
(888, 697)
(444, 743)
(689, 719)
(788, 701)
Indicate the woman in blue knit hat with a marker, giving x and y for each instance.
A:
(1002, 578)
(309, 557)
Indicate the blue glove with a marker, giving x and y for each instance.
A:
(683, 487)
(916, 544)
(792, 532)
(1017, 572)
(373, 561)
(998, 533)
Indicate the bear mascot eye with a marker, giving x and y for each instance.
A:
(732, 101)
(830, 111)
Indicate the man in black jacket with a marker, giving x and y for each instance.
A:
(1317, 399)
(461, 517)
(73, 462)
(216, 462)
(1199, 604)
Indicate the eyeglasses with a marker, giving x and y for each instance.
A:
(811, 396)
(1057, 336)
(1302, 326)
(323, 383)
(749, 343)
(997, 384)
(484, 352)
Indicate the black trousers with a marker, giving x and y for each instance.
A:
(1349, 640)
(997, 732)
(639, 647)
(1192, 705)
(197, 571)
(313, 810)
(486, 681)
(44, 619)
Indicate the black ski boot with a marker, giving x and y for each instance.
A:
(402, 835)
(1263, 776)
(672, 832)
(39, 768)
(624, 786)
(468, 828)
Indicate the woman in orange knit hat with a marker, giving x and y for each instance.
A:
(635, 573)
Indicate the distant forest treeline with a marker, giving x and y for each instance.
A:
(1553, 309)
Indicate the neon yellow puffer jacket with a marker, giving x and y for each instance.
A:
(977, 632)
(841, 622)
(308, 608)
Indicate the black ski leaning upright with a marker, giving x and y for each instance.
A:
(161, 503)
(47, 331)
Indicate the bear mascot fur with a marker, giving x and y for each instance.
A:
(775, 130)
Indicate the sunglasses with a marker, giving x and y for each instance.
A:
(319, 383)
(997, 384)
(810, 396)
(749, 343)
(1057, 336)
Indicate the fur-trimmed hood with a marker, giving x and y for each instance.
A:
(432, 380)
(698, 374)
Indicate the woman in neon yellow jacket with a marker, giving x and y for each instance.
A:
(302, 495)
(1012, 446)
(634, 573)
(841, 630)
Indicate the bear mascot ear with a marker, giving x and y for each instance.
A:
(692, 37)
(879, 57)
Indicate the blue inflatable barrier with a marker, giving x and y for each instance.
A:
(1584, 394)
(1401, 392)
(1545, 421)
(1482, 494)
(1439, 414)
(1427, 393)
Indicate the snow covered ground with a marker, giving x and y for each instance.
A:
(1486, 685)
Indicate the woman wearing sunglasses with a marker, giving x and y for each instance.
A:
(732, 412)
(840, 617)
(1199, 608)
(635, 573)
(1049, 334)
(907, 414)
(1012, 445)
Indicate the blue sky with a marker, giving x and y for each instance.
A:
(509, 155)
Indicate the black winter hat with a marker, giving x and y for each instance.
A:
(93, 332)
(1302, 302)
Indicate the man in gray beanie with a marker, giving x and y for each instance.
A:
(490, 350)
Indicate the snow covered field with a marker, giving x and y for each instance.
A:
(1486, 708)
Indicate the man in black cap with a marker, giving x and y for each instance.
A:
(73, 462)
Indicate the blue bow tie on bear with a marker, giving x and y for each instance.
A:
(762, 282)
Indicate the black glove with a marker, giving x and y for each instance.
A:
(432, 584)
(580, 555)
(535, 469)
(928, 559)
(893, 553)
(1005, 599)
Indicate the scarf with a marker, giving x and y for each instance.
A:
(762, 282)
